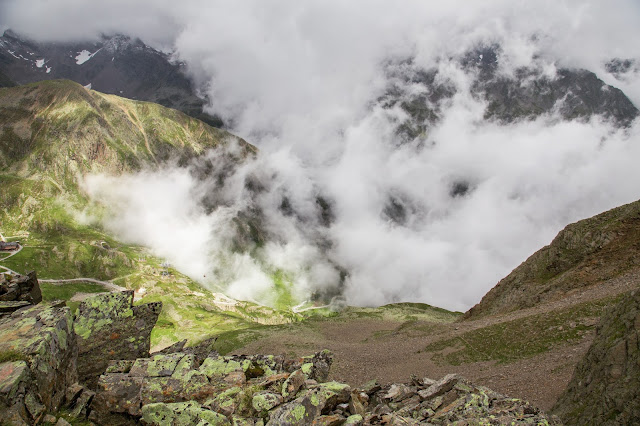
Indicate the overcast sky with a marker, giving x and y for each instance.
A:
(301, 79)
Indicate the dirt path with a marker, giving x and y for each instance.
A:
(109, 285)
(391, 351)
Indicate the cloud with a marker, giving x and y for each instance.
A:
(302, 81)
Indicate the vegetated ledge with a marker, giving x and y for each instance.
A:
(47, 377)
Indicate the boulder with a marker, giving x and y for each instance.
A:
(109, 327)
(39, 345)
(22, 290)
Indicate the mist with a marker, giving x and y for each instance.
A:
(304, 82)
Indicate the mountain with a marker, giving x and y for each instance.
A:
(58, 127)
(580, 257)
(53, 132)
(116, 65)
(524, 93)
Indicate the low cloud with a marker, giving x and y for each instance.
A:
(470, 199)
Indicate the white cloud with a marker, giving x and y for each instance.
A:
(301, 79)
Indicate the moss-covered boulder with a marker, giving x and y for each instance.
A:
(38, 348)
(605, 387)
(109, 327)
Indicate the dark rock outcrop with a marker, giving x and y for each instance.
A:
(18, 292)
(605, 388)
(108, 326)
(39, 347)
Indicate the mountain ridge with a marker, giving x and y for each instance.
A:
(115, 64)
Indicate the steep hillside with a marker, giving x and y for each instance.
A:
(54, 132)
(61, 128)
(116, 64)
(582, 255)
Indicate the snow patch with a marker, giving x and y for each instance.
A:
(85, 55)
(48, 70)
(39, 63)
(88, 86)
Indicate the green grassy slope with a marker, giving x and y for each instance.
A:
(54, 132)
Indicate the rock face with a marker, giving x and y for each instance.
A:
(108, 326)
(605, 388)
(38, 345)
(18, 292)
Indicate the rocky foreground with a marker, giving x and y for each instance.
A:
(94, 366)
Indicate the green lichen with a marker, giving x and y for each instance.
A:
(265, 401)
(218, 367)
(314, 399)
(353, 420)
(307, 368)
(299, 412)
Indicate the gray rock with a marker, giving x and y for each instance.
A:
(108, 327)
(41, 341)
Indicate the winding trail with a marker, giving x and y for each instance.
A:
(12, 254)
(296, 309)
(111, 286)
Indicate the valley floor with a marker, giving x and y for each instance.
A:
(528, 354)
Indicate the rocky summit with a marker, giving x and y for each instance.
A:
(94, 366)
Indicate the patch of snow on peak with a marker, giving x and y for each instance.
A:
(88, 86)
(39, 63)
(84, 56)
(48, 70)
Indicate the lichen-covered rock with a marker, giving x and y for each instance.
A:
(293, 384)
(354, 420)
(181, 414)
(109, 327)
(317, 367)
(42, 341)
(451, 400)
(175, 389)
(14, 381)
(265, 401)
(605, 387)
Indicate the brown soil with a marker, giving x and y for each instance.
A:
(391, 351)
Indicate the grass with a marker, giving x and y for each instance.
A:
(10, 356)
(521, 338)
(67, 291)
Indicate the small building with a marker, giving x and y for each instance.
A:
(11, 246)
